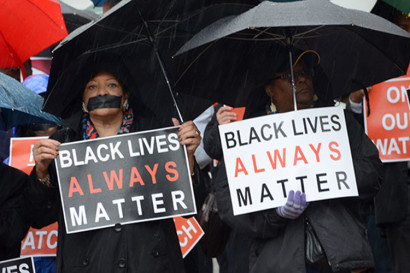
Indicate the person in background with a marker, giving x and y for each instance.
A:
(277, 236)
(391, 211)
(38, 84)
(13, 223)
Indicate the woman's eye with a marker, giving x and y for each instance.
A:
(92, 87)
(112, 85)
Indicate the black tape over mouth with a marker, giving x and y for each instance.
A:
(106, 101)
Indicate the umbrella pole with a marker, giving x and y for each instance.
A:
(161, 63)
(289, 46)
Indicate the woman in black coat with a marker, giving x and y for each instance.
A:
(277, 241)
(143, 247)
(13, 224)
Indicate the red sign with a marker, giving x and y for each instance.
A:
(189, 233)
(40, 242)
(388, 123)
(21, 153)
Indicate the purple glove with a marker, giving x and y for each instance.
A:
(294, 207)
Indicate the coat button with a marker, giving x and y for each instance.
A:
(122, 263)
(118, 227)
(85, 261)
(155, 253)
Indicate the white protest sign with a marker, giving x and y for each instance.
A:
(306, 150)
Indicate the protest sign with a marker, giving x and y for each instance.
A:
(388, 123)
(40, 242)
(189, 233)
(20, 265)
(124, 179)
(21, 152)
(305, 150)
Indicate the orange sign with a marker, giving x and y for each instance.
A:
(21, 152)
(240, 111)
(388, 123)
(189, 233)
(40, 242)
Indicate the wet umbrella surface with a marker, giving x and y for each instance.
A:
(230, 57)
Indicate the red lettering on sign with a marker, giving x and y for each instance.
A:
(240, 167)
(136, 177)
(113, 177)
(335, 150)
(152, 172)
(282, 159)
(256, 167)
(170, 168)
(299, 156)
(316, 150)
(74, 187)
(91, 186)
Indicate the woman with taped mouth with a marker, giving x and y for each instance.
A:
(105, 111)
(278, 236)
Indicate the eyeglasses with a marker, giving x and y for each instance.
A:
(288, 76)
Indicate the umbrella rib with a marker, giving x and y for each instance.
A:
(193, 61)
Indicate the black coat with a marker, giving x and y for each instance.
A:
(13, 224)
(143, 247)
(278, 244)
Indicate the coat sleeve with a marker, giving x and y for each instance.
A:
(262, 224)
(367, 165)
(13, 223)
(42, 203)
(211, 139)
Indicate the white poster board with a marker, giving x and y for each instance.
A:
(305, 150)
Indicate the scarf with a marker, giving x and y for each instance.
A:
(89, 131)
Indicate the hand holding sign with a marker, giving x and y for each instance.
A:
(190, 137)
(295, 205)
(44, 151)
(225, 115)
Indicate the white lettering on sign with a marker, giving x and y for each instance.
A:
(103, 152)
(394, 94)
(187, 231)
(78, 215)
(30, 240)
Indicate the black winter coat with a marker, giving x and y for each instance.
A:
(278, 244)
(13, 224)
(150, 247)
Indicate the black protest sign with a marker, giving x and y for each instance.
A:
(20, 265)
(124, 179)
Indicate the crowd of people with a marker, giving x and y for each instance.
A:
(367, 233)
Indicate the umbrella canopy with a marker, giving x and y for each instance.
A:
(74, 18)
(402, 5)
(123, 31)
(236, 53)
(19, 105)
(27, 27)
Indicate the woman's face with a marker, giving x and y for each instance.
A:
(280, 90)
(103, 84)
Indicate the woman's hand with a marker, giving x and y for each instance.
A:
(44, 151)
(189, 136)
(294, 206)
(224, 115)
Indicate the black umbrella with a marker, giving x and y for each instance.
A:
(75, 18)
(231, 56)
(136, 31)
